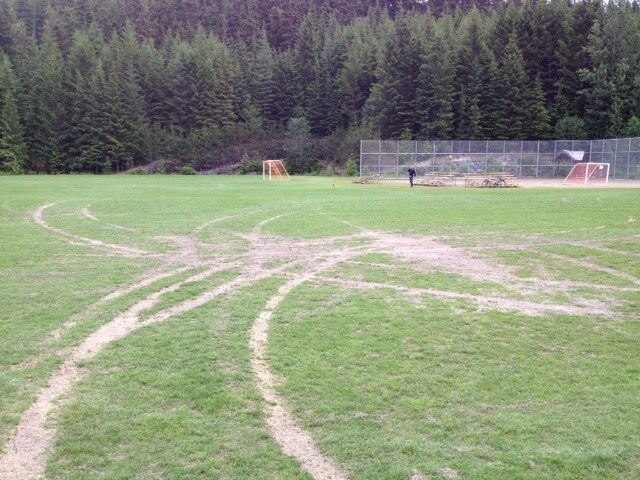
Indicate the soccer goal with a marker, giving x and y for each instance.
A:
(588, 173)
(274, 169)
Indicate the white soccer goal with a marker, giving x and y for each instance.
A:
(588, 173)
(274, 170)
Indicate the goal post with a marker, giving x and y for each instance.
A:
(274, 170)
(588, 173)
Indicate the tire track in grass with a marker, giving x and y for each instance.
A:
(24, 458)
(111, 247)
(484, 302)
(25, 454)
(56, 334)
(592, 266)
(87, 213)
(295, 441)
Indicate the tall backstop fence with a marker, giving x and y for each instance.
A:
(536, 159)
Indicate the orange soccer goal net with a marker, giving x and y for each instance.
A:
(274, 170)
(588, 173)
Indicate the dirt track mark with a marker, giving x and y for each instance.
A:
(284, 427)
(55, 335)
(113, 248)
(25, 454)
(592, 266)
(500, 304)
(87, 213)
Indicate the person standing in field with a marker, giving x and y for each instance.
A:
(412, 173)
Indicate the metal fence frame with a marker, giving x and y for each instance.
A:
(534, 159)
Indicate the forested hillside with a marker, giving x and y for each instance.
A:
(103, 86)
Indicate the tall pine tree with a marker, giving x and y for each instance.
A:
(47, 118)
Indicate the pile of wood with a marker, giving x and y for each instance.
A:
(436, 180)
(491, 180)
(375, 178)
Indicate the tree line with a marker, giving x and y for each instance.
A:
(89, 86)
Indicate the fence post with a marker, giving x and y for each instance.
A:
(433, 156)
(615, 158)
(555, 154)
(629, 159)
(486, 154)
(397, 159)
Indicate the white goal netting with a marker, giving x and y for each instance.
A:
(588, 173)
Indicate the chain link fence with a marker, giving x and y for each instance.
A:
(534, 159)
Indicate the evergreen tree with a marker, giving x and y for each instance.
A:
(181, 71)
(573, 57)
(8, 79)
(262, 81)
(6, 41)
(95, 142)
(298, 142)
(473, 77)
(544, 26)
(570, 128)
(328, 112)
(357, 74)
(633, 127)
(186, 78)
(82, 63)
(226, 106)
(285, 91)
(392, 102)
(538, 119)
(434, 91)
(47, 118)
(153, 79)
(614, 52)
(514, 92)
(123, 109)
(32, 14)
(307, 61)
(13, 149)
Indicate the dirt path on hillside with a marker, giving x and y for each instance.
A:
(266, 256)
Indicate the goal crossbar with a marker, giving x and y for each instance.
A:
(274, 170)
(584, 173)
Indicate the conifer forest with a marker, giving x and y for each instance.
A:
(103, 86)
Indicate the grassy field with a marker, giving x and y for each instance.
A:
(413, 333)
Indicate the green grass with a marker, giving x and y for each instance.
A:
(389, 385)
